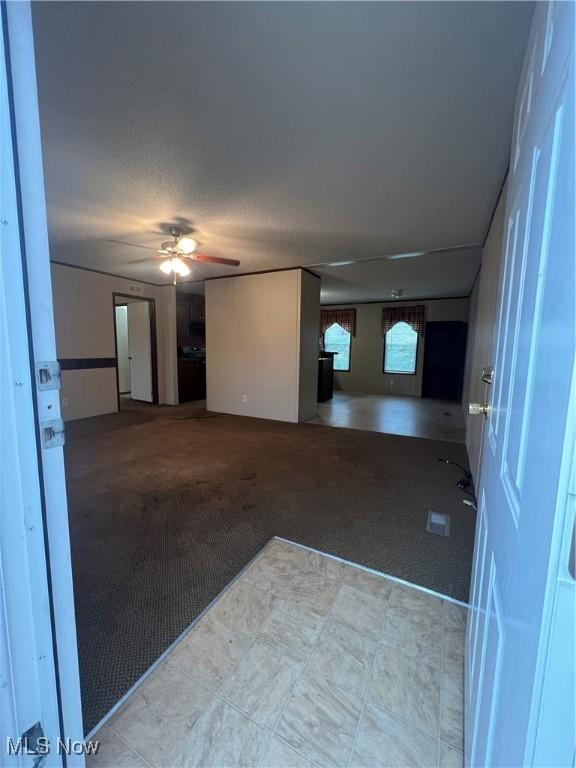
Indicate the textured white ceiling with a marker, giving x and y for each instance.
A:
(282, 134)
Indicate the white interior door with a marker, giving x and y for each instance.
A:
(528, 437)
(140, 344)
(122, 349)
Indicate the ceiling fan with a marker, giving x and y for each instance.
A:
(177, 251)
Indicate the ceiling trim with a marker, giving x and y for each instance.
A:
(112, 274)
(258, 272)
(400, 302)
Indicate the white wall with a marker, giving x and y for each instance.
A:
(122, 348)
(481, 333)
(253, 344)
(470, 345)
(84, 319)
(366, 354)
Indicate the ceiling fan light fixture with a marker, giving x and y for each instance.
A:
(186, 245)
(180, 267)
(175, 265)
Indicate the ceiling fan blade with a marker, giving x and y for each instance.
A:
(149, 260)
(133, 245)
(211, 259)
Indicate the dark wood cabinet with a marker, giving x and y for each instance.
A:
(182, 321)
(189, 313)
(191, 379)
(444, 356)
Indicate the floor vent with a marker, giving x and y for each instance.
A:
(438, 522)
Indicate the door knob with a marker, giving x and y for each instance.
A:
(475, 409)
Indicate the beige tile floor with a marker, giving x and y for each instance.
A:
(304, 660)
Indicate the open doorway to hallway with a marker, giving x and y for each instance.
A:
(136, 356)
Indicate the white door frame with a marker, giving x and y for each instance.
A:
(153, 343)
(32, 234)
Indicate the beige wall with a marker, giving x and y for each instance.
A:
(481, 332)
(366, 356)
(83, 315)
(254, 343)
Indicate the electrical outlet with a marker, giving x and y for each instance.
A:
(244, 399)
(64, 402)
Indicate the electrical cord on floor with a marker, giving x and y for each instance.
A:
(465, 483)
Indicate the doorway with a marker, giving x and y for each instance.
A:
(135, 349)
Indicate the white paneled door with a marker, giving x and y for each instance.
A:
(140, 345)
(528, 442)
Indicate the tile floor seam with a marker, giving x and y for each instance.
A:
(366, 690)
(402, 720)
(234, 629)
(305, 668)
(313, 762)
(284, 708)
(281, 715)
(362, 709)
(215, 691)
(228, 701)
(127, 743)
(333, 682)
(192, 677)
(233, 706)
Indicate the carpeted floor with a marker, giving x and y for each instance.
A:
(165, 511)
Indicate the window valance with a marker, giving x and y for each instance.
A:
(414, 316)
(344, 317)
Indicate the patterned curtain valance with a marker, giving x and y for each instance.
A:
(344, 317)
(414, 316)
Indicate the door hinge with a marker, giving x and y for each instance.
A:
(488, 374)
(48, 375)
(53, 433)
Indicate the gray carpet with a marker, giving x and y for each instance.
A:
(165, 512)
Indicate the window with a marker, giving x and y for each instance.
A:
(400, 349)
(336, 339)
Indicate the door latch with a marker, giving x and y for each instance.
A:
(475, 409)
(53, 433)
(48, 375)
